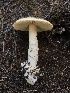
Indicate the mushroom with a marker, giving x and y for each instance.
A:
(33, 25)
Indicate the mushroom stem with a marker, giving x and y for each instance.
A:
(33, 46)
(32, 56)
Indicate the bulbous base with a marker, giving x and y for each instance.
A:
(31, 79)
(30, 73)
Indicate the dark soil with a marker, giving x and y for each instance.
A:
(54, 46)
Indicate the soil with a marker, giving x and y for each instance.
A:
(54, 46)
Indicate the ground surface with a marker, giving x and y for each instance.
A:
(54, 46)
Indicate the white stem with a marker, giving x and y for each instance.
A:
(33, 46)
(32, 55)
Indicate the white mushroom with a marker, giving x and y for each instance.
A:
(32, 25)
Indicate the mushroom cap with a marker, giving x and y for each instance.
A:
(23, 24)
